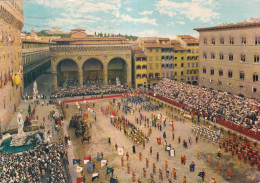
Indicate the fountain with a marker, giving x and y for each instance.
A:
(22, 141)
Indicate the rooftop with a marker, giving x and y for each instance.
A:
(237, 25)
(178, 48)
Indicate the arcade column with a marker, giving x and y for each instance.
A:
(54, 80)
(80, 78)
(129, 77)
(105, 76)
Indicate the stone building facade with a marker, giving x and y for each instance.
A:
(229, 58)
(82, 60)
(11, 23)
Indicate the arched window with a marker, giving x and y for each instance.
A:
(138, 67)
(138, 76)
(243, 57)
(230, 74)
(255, 77)
(230, 57)
(242, 75)
(204, 55)
(182, 65)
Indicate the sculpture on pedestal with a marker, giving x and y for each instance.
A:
(35, 91)
(20, 124)
(118, 81)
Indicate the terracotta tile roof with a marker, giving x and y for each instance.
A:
(163, 39)
(70, 39)
(194, 41)
(150, 41)
(166, 46)
(34, 41)
(78, 29)
(178, 48)
(139, 55)
(238, 25)
(151, 45)
(186, 37)
(174, 42)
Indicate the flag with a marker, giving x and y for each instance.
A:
(80, 179)
(103, 162)
(168, 148)
(86, 159)
(109, 170)
(120, 151)
(201, 174)
(172, 152)
(85, 115)
(113, 180)
(17, 80)
(113, 114)
(99, 156)
(94, 176)
(90, 167)
(76, 161)
(79, 168)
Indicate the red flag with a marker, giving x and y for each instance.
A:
(85, 115)
(80, 179)
(113, 114)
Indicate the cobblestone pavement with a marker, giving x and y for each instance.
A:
(102, 129)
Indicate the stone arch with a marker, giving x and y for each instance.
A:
(117, 67)
(194, 83)
(93, 71)
(67, 72)
(188, 82)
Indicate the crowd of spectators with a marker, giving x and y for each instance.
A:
(233, 108)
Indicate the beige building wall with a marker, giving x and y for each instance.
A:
(240, 86)
(11, 23)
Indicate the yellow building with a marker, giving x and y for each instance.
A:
(139, 67)
(180, 55)
(11, 23)
(191, 44)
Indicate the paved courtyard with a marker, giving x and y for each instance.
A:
(102, 129)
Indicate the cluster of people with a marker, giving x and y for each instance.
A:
(207, 133)
(45, 161)
(243, 151)
(243, 111)
(72, 91)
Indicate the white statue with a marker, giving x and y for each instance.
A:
(35, 91)
(118, 81)
(20, 124)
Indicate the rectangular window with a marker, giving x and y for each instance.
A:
(205, 41)
(205, 55)
(256, 58)
(257, 40)
(151, 66)
(221, 40)
(150, 58)
(254, 90)
(188, 65)
(221, 56)
(213, 41)
(157, 58)
(162, 57)
(157, 66)
(156, 49)
(182, 58)
(176, 58)
(213, 56)
(231, 40)
(150, 49)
